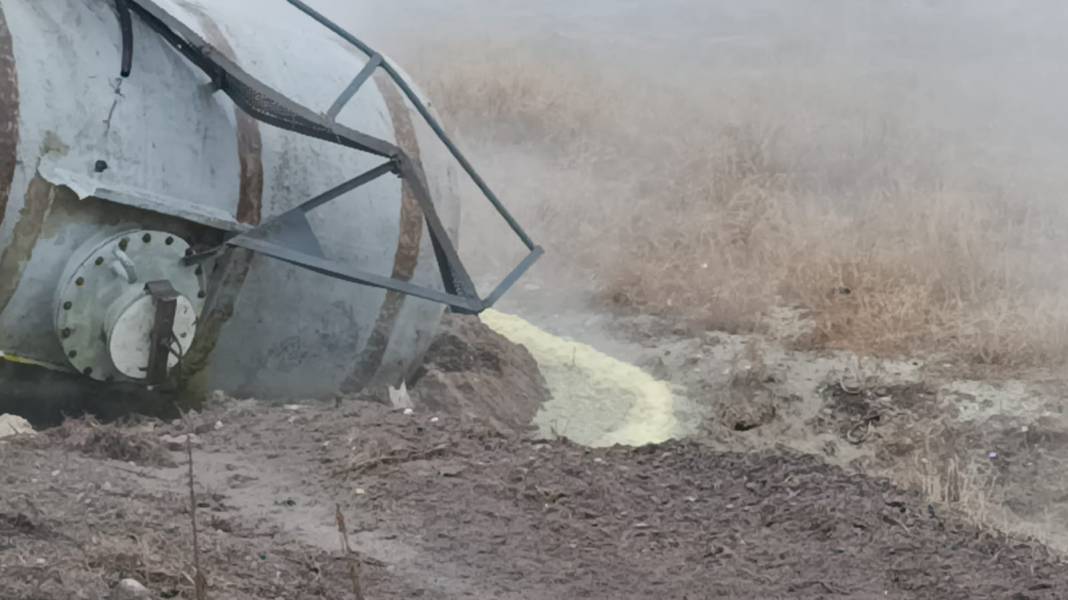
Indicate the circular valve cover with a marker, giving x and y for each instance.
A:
(130, 332)
(104, 315)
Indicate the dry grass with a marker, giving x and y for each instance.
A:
(709, 201)
(968, 487)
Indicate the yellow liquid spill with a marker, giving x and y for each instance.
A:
(596, 400)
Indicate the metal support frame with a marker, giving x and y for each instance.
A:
(161, 339)
(270, 106)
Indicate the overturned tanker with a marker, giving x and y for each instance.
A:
(216, 194)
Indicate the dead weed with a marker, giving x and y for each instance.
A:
(109, 441)
(718, 211)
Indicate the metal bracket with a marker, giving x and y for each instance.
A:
(263, 103)
(165, 299)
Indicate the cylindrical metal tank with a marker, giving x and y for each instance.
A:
(105, 181)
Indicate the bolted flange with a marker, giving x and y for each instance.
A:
(103, 313)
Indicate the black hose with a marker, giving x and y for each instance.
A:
(126, 27)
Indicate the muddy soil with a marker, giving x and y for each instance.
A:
(438, 507)
(470, 368)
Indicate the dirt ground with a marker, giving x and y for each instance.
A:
(441, 508)
(995, 447)
(780, 493)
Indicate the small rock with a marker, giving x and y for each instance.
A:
(10, 426)
(130, 589)
(177, 443)
(450, 470)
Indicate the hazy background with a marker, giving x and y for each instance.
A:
(893, 169)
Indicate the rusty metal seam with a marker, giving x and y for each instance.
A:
(249, 140)
(409, 242)
(39, 197)
(9, 114)
(232, 269)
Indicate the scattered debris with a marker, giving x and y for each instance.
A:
(177, 443)
(399, 397)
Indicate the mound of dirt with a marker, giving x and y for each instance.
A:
(746, 404)
(476, 373)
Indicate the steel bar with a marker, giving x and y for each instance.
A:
(361, 78)
(253, 96)
(165, 301)
(334, 269)
(514, 276)
(265, 104)
(327, 196)
(453, 273)
(427, 116)
(348, 186)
